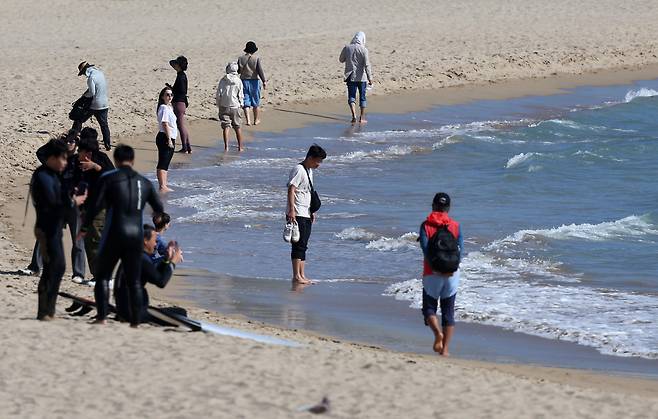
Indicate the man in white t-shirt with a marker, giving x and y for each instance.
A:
(299, 211)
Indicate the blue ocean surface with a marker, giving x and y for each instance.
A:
(557, 197)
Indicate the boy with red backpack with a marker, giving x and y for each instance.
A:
(442, 242)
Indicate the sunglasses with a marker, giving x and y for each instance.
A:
(169, 94)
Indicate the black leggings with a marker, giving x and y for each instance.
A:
(299, 248)
(52, 253)
(129, 251)
(165, 153)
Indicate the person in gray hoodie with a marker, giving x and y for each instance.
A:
(357, 73)
(97, 92)
(229, 99)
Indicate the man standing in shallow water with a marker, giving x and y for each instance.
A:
(299, 211)
(439, 288)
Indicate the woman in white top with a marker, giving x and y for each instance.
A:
(166, 137)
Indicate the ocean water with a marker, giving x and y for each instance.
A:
(557, 197)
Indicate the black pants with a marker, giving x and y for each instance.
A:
(165, 153)
(299, 248)
(129, 251)
(101, 117)
(52, 255)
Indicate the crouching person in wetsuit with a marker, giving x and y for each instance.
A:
(123, 193)
(52, 203)
(157, 272)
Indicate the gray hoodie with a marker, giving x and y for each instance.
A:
(96, 89)
(355, 57)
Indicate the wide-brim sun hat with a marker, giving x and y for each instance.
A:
(180, 60)
(82, 67)
(251, 47)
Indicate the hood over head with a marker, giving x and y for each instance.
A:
(232, 68)
(359, 38)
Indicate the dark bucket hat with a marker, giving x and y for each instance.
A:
(251, 47)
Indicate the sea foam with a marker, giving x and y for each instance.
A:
(643, 92)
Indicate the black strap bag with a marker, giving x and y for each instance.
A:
(315, 198)
(80, 110)
(443, 254)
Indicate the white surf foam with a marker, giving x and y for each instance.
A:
(378, 242)
(643, 92)
(629, 227)
(520, 158)
(613, 322)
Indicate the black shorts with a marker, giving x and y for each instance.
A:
(165, 153)
(299, 248)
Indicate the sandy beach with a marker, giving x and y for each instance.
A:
(422, 54)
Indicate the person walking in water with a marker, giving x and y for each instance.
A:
(250, 70)
(303, 203)
(180, 103)
(442, 243)
(52, 203)
(229, 99)
(166, 138)
(357, 73)
(97, 92)
(124, 193)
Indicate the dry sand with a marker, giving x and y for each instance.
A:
(53, 369)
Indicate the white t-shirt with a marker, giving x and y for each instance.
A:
(299, 180)
(166, 114)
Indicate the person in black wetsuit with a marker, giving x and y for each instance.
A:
(124, 193)
(155, 272)
(52, 203)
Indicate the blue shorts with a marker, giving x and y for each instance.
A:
(352, 87)
(251, 92)
(440, 289)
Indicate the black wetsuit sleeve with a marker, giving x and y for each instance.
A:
(104, 162)
(158, 274)
(153, 198)
(95, 202)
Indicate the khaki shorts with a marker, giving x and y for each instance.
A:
(229, 117)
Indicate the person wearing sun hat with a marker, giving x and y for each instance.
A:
(180, 102)
(250, 70)
(99, 106)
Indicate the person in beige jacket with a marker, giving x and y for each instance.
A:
(229, 99)
(357, 73)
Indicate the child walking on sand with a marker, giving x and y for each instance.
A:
(229, 99)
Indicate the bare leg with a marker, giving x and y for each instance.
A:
(162, 180)
(448, 331)
(238, 135)
(256, 117)
(433, 323)
(303, 273)
(225, 132)
(297, 270)
(362, 118)
(353, 110)
(246, 116)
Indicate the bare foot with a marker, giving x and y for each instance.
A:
(353, 120)
(165, 189)
(241, 149)
(438, 344)
(363, 121)
(445, 353)
(99, 321)
(247, 123)
(225, 149)
(256, 122)
(302, 281)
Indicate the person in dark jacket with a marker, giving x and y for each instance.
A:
(52, 202)
(157, 272)
(90, 164)
(180, 102)
(124, 194)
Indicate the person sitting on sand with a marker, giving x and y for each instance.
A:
(229, 99)
(166, 138)
(155, 272)
(438, 287)
(357, 73)
(250, 70)
(300, 209)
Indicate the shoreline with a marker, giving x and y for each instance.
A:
(206, 134)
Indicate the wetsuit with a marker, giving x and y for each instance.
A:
(158, 273)
(124, 193)
(52, 203)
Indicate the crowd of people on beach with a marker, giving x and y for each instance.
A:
(103, 202)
